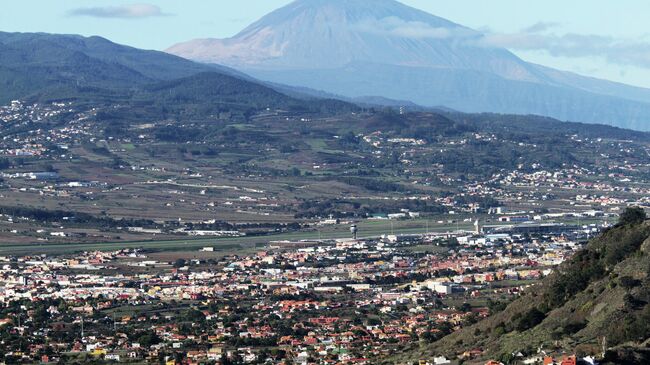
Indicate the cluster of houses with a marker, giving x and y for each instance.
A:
(37, 142)
(313, 302)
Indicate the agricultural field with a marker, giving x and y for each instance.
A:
(282, 174)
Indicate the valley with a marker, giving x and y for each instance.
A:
(82, 169)
(343, 182)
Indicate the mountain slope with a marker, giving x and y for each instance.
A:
(150, 64)
(210, 93)
(316, 34)
(574, 308)
(36, 65)
(382, 48)
(49, 67)
(33, 64)
(468, 91)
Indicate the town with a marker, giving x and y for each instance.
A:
(344, 301)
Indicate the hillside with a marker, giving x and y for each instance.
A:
(32, 64)
(41, 67)
(573, 309)
(210, 93)
(358, 48)
(150, 64)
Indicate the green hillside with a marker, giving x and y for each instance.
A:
(211, 92)
(601, 295)
(43, 67)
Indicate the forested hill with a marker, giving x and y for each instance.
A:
(210, 92)
(539, 125)
(33, 63)
(41, 67)
(573, 309)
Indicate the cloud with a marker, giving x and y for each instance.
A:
(132, 11)
(542, 36)
(624, 52)
(541, 27)
(397, 27)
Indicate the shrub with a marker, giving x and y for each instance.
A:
(499, 330)
(632, 215)
(629, 282)
(574, 327)
(531, 319)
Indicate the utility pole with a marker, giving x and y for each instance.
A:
(82, 328)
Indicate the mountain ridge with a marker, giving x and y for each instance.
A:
(53, 67)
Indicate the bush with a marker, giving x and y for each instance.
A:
(499, 330)
(574, 327)
(531, 319)
(507, 358)
(629, 282)
(625, 244)
(632, 215)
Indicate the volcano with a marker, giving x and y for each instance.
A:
(382, 48)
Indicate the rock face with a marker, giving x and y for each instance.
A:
(383, 48)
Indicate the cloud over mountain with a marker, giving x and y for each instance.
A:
(626, 52)
(130, 11)
(397, 27)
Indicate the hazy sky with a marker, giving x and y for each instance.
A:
(601, 38)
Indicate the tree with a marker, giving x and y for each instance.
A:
(5, 163)
(147, 339)
(350, 138)
(179, 263)
(465, 307)
(632, 215)
(194, 316)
